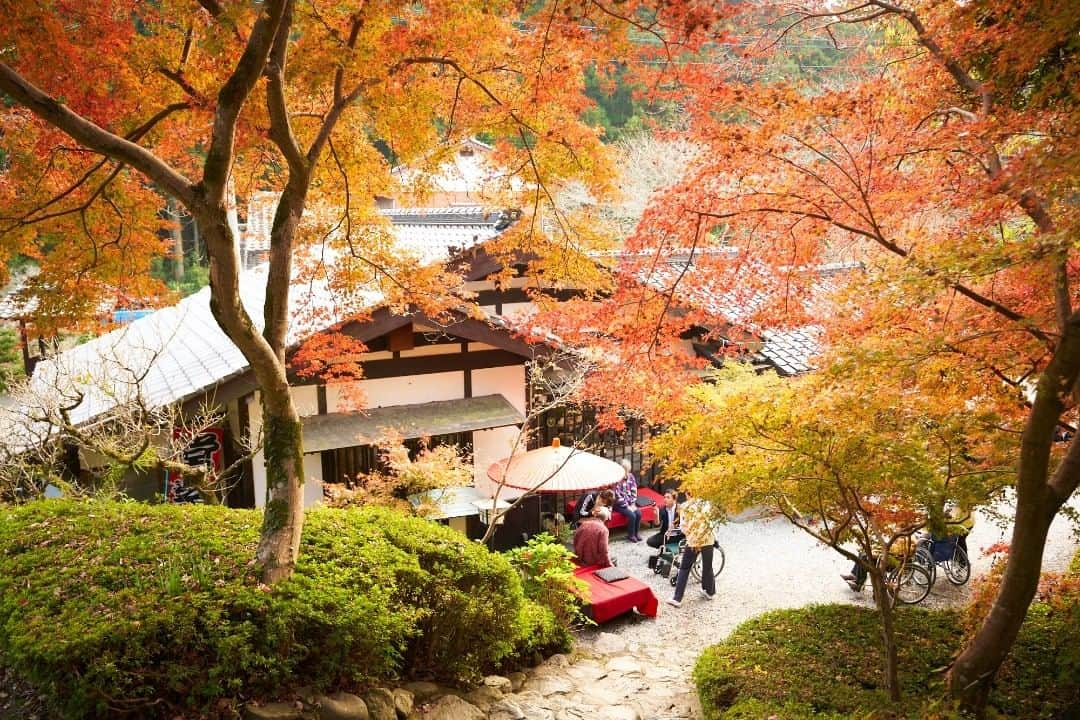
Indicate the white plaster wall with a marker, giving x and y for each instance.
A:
(313, 494)
(490, 446)
(506, 381)
(258, 461)
(404, 390)
(423, 350)
(306, 399)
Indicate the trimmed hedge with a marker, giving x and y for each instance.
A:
(122, 607)
(824, 662)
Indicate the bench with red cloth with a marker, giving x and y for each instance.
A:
(648, 513)
(610, 600)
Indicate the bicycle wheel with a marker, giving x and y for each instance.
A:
(925, 559)
(910, 584)
(958, 568)
(717, 564)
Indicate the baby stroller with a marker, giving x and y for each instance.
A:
(670, 557)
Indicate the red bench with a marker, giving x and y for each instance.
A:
(649, 514)
(610, 600)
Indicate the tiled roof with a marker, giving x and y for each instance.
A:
(789, 351)
(437, 242)
(476, 214)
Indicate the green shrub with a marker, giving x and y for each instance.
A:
(157, 610)
(824, 658)
(1074, 566)
(825, 662)
(547, 569)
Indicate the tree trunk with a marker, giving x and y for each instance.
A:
(283, 517)
(177, 234)
(1038, 499)
(884, 601)
(973, 672)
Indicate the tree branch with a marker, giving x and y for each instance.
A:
(280, 129)
(95, 137)
(232, 96)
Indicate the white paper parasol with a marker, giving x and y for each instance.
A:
(556, 469)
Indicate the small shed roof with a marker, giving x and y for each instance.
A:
(340, 430)
(453, 502)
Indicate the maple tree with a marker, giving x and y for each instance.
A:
(945, 165)
(862, 488)
(111, 105)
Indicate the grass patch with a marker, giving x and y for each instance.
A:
(824, 662)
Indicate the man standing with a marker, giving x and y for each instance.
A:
(591, 538)
(697, 527)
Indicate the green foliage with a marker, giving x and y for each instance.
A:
(196, 275)
(11, 362)
(547, 569)
(824, 662)
(110, 607)
(619, 108)
(1074, 566)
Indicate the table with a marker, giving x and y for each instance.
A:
(610, 600)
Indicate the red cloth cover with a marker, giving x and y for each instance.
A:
(610, 600)
(648, 514)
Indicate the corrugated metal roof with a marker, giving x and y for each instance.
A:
(341, 430)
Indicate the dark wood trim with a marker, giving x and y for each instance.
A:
(242, 493)
(429, 364)
(381, 322)
(461, 328)
(477, 263)
(232, 389)
(467, 392)
(320, 394)
(521, 295)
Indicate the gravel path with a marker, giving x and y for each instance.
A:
(770, 564)
(635, 668)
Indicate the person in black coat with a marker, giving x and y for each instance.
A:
(585, 506)
(669, 521)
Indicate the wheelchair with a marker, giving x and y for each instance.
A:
(666, 563)
(948, 552)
